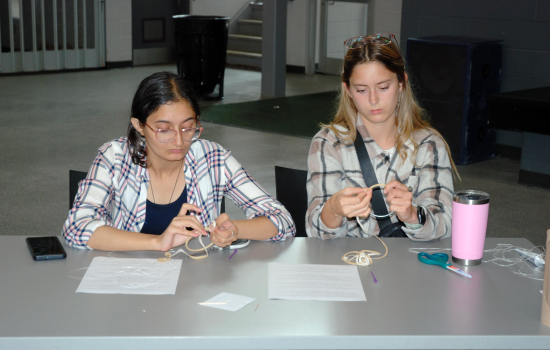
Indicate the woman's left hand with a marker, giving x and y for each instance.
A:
(400, 200)
(225, 231)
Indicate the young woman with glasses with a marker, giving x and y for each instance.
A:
(162, 185)
(408, 156)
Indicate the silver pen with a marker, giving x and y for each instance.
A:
(532, 257)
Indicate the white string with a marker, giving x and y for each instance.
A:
(363, 227)
(528, 275)
(420, 250)
(500, 257)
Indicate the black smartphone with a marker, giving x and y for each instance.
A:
(46, 248)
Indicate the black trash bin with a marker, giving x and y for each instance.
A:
(201, 46)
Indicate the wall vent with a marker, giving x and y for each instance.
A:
(154, 30)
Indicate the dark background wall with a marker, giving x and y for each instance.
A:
(153, 9)
(523, 25)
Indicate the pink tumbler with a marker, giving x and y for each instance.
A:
(469, 226)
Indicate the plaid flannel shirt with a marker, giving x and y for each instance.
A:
(333, 166)
(114, 192)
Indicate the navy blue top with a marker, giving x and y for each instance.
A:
(159, 216)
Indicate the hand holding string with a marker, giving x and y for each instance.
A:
(225, 232)
(177, 232)
(399, 199)
(351, 202)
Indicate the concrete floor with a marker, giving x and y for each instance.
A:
(55, 122)
(244, 85)
(52, 123)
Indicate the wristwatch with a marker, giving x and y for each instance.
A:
(421, 215)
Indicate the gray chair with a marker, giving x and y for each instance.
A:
(290, 189)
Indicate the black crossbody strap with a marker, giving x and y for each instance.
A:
(377, 201)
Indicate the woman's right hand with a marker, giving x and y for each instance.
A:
(177, 233)
(349, 202)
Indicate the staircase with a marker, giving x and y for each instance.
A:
(244, 46)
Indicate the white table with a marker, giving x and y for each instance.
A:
(413, 305)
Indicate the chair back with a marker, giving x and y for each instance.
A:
(291, 191)
(74, 178)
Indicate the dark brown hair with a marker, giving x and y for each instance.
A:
(154, 91)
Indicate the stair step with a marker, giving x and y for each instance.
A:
(248, 60)
(250, 27)
(244, 47)
(244, 54)
(245, 37)
(251, 21)
(257, 10)
(246, 43)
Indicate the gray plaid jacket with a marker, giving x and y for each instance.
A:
(333, 165)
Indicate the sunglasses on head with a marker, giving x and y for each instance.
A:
(380, 39)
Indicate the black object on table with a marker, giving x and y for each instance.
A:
(201, 46)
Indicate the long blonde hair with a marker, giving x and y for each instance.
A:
(410, 116)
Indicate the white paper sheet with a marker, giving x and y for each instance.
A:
(130, 276)
(228, 301)
(314, 282)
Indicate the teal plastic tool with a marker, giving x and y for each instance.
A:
(442, 260)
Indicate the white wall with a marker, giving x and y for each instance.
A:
(345, 20)
(118, 30)
(385, 17)
(296, 33)
(217, 7)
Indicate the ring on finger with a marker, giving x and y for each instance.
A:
(232, 233)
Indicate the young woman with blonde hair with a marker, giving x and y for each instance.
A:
(408, 156)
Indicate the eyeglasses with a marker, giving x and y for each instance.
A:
(167, 135)
(380, 38)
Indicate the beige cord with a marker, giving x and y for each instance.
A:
(169, 255)
(378, 185)
(363, 258)
(197, 250)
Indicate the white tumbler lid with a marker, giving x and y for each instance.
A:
(471, 197)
